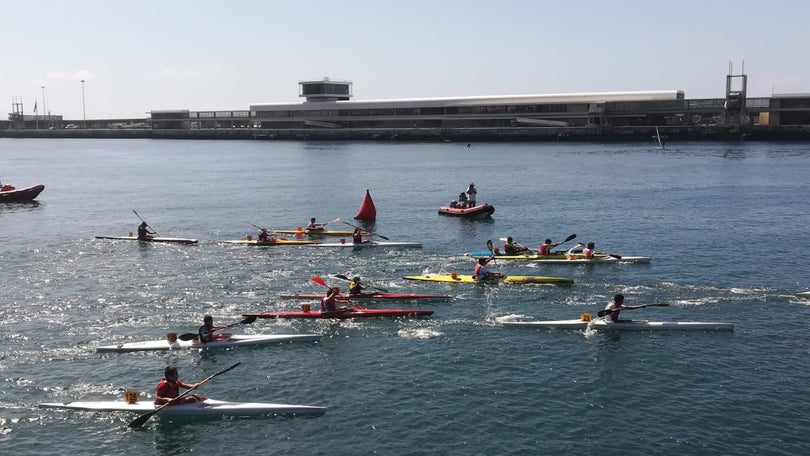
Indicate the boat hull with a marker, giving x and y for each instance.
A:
(375, 296)
(623, 325)
(209, 407)
(480, 211)
(21, 194)
(563, 258)
(314, 233)
(356, 312)
(233, 341)
(151, 239)
(366, 245)
(459, 278)
(256, 242)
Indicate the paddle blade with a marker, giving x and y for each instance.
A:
(319, 281)
(490, 247)
(187, 336)
(571, 237)
(139, 421)
(341, 276)
(248, 320)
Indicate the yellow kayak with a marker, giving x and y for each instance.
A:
(467, 278)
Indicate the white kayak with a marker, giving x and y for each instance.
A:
(803, 294)
(208, 407)
(624, 325)
(233, 341)
(365, 245)
(605, 259)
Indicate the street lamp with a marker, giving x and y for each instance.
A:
(44, 110)
(84, 113)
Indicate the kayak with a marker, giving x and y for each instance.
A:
(10, 194)
(563, 258)
(373, 296)
(151, 239)
(277, 241)
(804, 294)
(480, 211)
(233, 341)
(369, 244)
(208, 407)
(324, 232)
(624, 325)
(355, 312)
(458, 278)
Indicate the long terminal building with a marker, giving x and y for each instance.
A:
(328, 112)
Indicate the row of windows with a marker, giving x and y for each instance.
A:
(431, 111)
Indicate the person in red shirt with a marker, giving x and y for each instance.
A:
(169, 388)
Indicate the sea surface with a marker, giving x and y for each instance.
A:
(726, 225)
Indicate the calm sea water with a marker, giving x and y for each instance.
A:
(726, 225)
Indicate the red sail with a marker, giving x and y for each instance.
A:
(367, 210)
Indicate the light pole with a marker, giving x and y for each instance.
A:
(84, 113)
(44, 109)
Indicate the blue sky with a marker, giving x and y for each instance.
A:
(137, 56)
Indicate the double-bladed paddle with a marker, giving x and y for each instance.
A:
(341, 276)
(139, 421)
(321, 282)
(602, 313)
(192, 336)
(373, 234)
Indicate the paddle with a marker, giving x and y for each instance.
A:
(341, 276)
(139, 421)
(192, 336)
(602, 313)
(373, 234)
(330, 221)
(144, 221)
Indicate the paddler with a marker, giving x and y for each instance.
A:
(263, 236)
(329, 303)
(482, 273)
(169, 388)
(314, 226)
(144, 231)
(546, 246)
(615, 307)
(471, 192)
(510, 247)
(206, 331)
(355, 287)
(360, 237)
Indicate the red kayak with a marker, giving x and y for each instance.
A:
(376, 295)
(354, 312)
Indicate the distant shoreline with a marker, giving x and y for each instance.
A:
(465, 135)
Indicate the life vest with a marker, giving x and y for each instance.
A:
(544, 249)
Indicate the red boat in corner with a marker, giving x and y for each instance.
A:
(480, 211)
(8, 193)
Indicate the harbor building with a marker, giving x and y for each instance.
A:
(328, 111)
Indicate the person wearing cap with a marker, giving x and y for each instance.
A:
(169, 388)
(482, 273)
(355, 287)
(263, 236)
(462, 200)
(471, 191)
(328, 303)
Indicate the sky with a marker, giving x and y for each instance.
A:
(203, 55)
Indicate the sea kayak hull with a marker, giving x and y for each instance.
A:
(480, 211)
(151, 239)
(17, 195)
(209, 407)
(356, 312)
(459, 278)
(365, 245)
(564, 258)
(278, 241)
(804, 294)
(623, 325)
(344, 233)
(375, 296)
(233, 341)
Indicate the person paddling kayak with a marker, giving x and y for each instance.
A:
(144, 231)
(206, 331)
(169, 388)
(356, 287)
(614, 308)
(482, 273)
